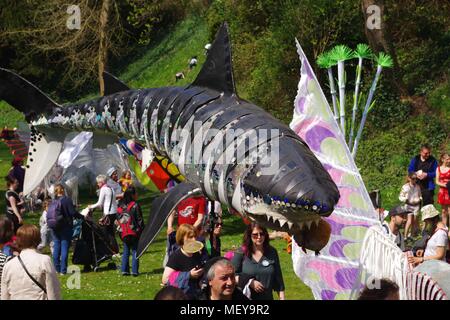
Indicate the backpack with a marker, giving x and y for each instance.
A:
(55, 217)
(128, 228)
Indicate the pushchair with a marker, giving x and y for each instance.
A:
(94, 246)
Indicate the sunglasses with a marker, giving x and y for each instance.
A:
(218, 225)
(255, 235)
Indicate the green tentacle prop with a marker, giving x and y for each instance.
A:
(383, 61)
(362, 52)
(324, 61)
(341, 53)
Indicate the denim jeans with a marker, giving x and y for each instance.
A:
(61, 244)
(127, 249)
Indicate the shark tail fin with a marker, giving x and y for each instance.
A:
(24, 96)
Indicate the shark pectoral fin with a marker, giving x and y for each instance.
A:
(112, 84)
(160, 211)
(43, 153)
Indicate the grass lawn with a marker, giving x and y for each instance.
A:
(110, 284)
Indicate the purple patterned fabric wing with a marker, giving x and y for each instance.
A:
(334, 273)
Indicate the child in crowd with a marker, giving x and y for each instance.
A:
(411, 196)
(126, 180)
(45, 230)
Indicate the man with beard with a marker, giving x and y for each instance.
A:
(399, 216)
(425, 165)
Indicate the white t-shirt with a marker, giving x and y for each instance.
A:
(104, 200)
(438, 239)
(412, 194)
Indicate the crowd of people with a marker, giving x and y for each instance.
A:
(428, 237)
(194, 261)
(194, 265)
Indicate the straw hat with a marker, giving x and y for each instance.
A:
(192, 246)
(429, 211)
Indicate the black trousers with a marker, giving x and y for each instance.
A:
(427, 196)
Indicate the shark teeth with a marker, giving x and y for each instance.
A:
(308, 224)
(317, 221)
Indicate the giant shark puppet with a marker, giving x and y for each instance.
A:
(293, 198)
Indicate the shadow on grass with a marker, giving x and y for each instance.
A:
(156, 271)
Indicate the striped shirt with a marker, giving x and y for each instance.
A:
(3, 259)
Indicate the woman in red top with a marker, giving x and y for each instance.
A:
(442, 178)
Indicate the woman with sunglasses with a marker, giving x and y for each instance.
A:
(258, 261)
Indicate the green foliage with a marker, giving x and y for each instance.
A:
(9, 116)
(384, 60)
(383, 157)
(388, 112)
(341, 53)
(325, 61)
(147, 17)
(362, 51)
(422, 41)
(439, 100)
(161, 61)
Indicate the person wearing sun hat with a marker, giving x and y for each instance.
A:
(436, 246)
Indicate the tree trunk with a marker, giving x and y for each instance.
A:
(380, 40)
(103, 45)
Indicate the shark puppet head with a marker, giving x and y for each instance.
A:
(289, 190)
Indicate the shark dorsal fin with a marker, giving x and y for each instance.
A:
(112, 84)
(217, 71)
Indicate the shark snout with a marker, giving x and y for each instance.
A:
(299, 183)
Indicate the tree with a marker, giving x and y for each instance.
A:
(377, 30)
(79, 38)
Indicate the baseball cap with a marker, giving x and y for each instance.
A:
(400, 209)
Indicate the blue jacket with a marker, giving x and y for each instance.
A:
(431, 172)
